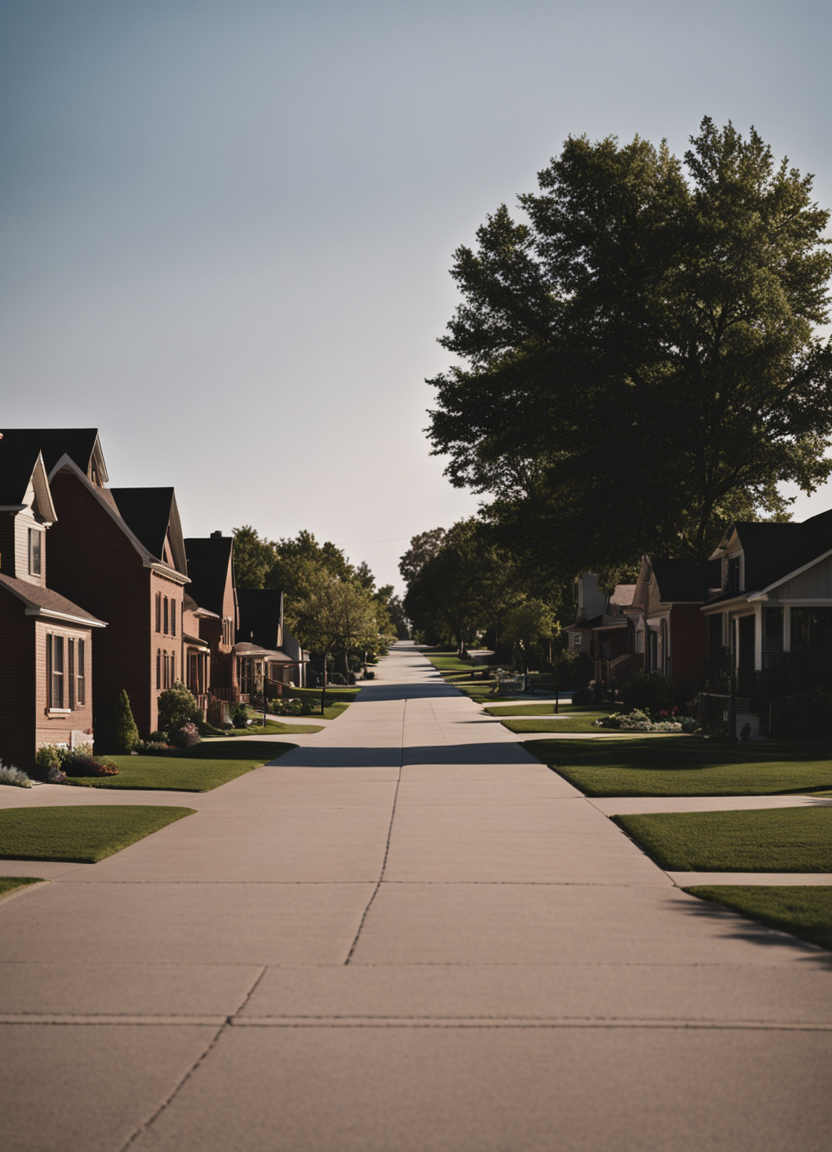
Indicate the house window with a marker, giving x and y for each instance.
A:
(732, 574)
(70, 672)
(81, 674)
(158, 611)
(55, 670)
(172, 668)
(166, 615)
(576, 640)
(34, 551)
(173, 617)
(158, 668)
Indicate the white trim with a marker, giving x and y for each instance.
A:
(791, 576)
(53, 614)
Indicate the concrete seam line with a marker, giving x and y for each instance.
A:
(181, 1083)
(386, 846)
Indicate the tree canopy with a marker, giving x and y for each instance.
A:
(640, 358)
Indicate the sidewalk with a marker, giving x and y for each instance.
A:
(405, 935)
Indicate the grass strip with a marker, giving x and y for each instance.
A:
(198, 769)
(80, 834)
(804, 911)
(569, 724)
(270, 728)
(685, 766)
(564, 709)
(9, 883)
(768, 840)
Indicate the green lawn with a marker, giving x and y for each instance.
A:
(685, 766)
(564, 709)
(766, 840)
(578, 723)
(337, 699)
(803, 911)
(82, 834)
(271, 728)
(9, 883)
(198, 769)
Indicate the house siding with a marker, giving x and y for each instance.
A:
(688, 641)
(813, 584)
(93, 563)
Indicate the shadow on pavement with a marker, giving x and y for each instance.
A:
(744, 928)
(311, 756)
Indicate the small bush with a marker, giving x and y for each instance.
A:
(648, 692)
(82, 764)
(16, 777)
(582, 696)
(239, 716)
(338, 678)
(158, 737)
(152, 747)
(177, 706)
(123, 735)
(185, 736)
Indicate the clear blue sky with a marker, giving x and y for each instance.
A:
(225, 228)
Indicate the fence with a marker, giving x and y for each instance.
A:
(716, 714)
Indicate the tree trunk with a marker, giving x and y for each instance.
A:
(323, 684)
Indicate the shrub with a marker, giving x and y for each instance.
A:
(582, 696)
(47, 756)
(177, 706)
(123, 735)
(338, 678)
(369, 675)
(239, 716)
(646, 691)
(82, 764)
(185, 736)
(152, 747)
(157, 737)
(16, 777)
(637, 721)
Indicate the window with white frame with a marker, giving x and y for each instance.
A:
(35, 551)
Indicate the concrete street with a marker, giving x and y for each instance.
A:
(406, 934)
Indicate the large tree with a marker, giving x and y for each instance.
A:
(640, 361)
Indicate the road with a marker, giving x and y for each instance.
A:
(404, 935)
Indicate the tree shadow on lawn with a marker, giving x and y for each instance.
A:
(741, 927)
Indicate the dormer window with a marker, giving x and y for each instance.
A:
(732, 574)
(35, 543)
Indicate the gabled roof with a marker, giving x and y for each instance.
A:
(44, 602)
(20, 465)
(208, 568)
(773, 550)
(685, 581)
(261, 615)
(152, 515)
(80, 444)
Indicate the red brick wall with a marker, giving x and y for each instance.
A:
(93, 563)
(57, 728)
(687, 638)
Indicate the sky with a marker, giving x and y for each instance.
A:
(226, 227)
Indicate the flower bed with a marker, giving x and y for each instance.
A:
(639, 721)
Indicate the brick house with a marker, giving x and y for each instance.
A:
(45, 639)
(211, 617)
(667, 618)
(122, 551)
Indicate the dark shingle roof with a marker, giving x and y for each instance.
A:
(77, 443)
(261, 611)
(208, 569)
(147, 513)
(48, 601)
(685, 581)
(17, 463)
